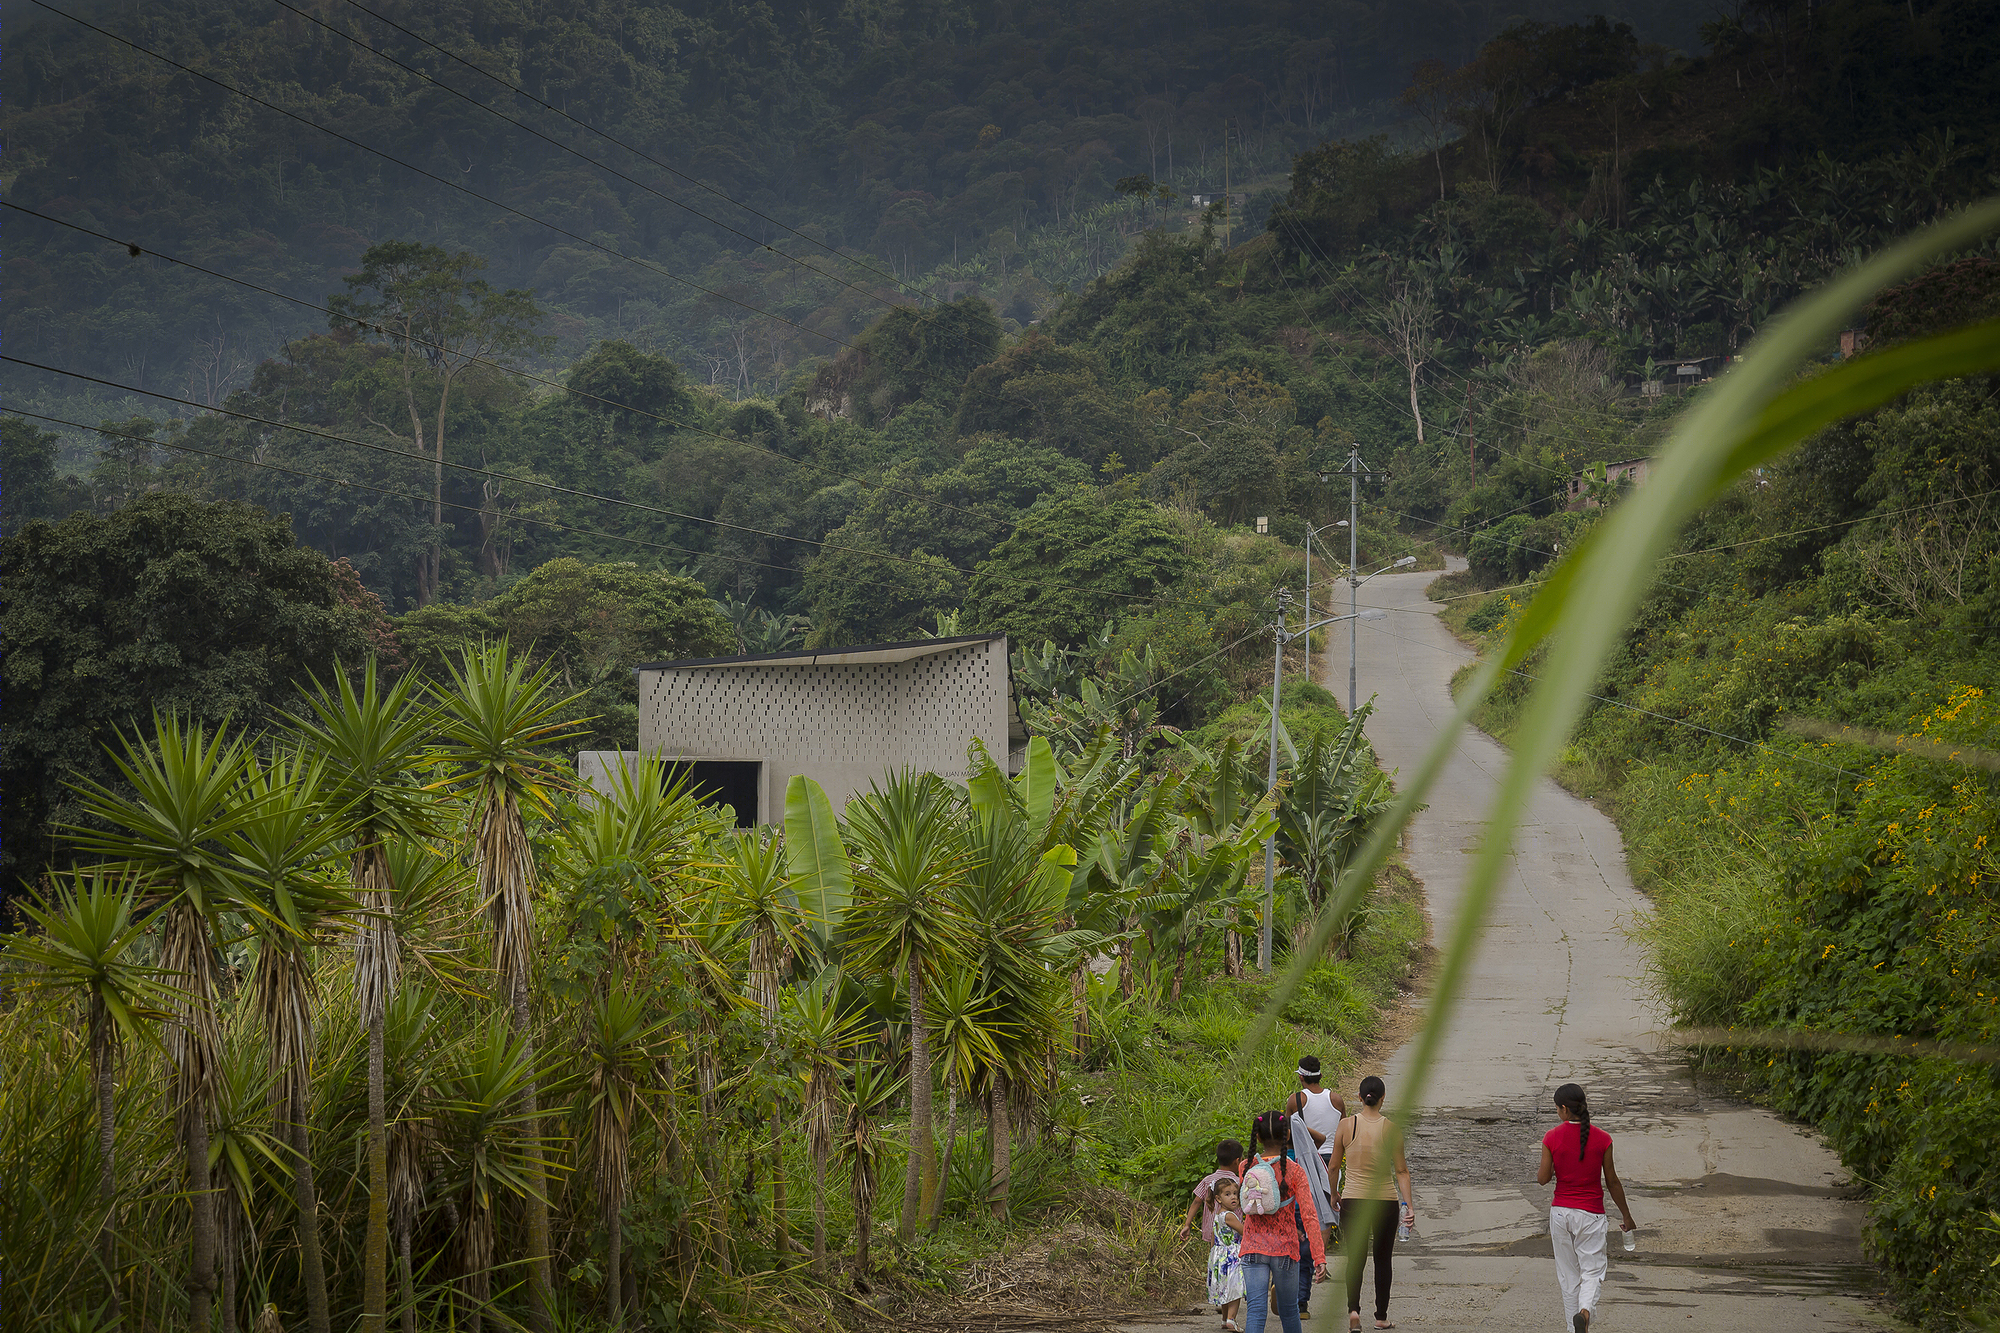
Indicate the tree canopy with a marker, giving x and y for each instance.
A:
(1073, 563)
(212, 611)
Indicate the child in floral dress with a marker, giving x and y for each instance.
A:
(1225, 1257)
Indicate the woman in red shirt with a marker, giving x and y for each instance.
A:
(1579, 1159)
(1271, 1276)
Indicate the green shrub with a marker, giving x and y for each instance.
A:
(1487, 615)
(1701, 935)
(1330, 1000)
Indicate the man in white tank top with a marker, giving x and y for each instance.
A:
(1321, 1111)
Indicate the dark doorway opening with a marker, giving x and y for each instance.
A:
(731, 782)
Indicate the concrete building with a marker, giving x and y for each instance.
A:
(1632, 471)
(744, 725)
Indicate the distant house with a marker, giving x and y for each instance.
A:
(1633, 470)
(1238, 200)
(741, 727)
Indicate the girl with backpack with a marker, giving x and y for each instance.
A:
(1274, 1189)
(1579, 1159)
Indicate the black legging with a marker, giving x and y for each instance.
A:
(1363, 1221)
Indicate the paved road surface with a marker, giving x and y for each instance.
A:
(1744, 1223)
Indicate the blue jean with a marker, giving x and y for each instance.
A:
(1269, 1281)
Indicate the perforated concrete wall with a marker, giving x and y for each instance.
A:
(842, 723)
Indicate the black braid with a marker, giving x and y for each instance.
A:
(1571, 1096)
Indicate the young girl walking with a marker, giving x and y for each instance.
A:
(1374, 1176)
(1272, 1281)
(1225, 1256)
(1578, 1158)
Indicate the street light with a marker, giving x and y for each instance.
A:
(1284, 637)
(1312, 532)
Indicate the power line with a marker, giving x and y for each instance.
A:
(450, 184)
(640, 153)
(602, 166)
(132, 246)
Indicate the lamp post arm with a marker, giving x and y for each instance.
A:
(1372, 613)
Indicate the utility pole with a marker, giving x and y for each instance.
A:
(1356, 470)
(1309, 600)
(1283, 637)
(1271, 782)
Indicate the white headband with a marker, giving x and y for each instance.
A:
(1310, 1075)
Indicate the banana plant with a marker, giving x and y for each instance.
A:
(1115, 875)
(1335, 794)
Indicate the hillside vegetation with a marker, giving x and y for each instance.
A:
(1072, 429)
(1801, 743)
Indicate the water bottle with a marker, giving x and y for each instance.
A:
(1404, 1230)
(1631, 1241)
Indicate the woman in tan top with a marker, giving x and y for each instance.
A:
(1364, 1148)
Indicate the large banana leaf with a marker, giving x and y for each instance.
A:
(824, 879)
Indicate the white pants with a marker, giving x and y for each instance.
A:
(1578, 1238)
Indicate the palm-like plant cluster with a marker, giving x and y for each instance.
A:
(378, 1019)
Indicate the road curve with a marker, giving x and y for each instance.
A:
(1745, 1219)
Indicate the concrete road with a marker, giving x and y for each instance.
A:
(1745, 1220)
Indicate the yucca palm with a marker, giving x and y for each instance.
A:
(244, 1158)
(876, 1088)
(488, 1139)
(496, 725)
(618, 1048)
(168, 833)
(905, 920)
(410, 1052)
(823, 1033)
(85, 944)
(1014, 899)
(757, 893)
(966, 1031)
(371, 738)
(286, 854)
